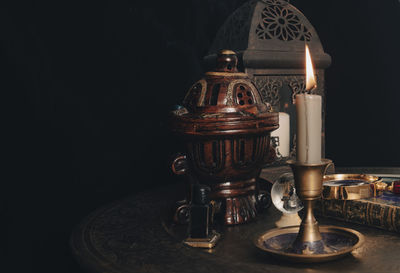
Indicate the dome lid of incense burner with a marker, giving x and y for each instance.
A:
(224, 102)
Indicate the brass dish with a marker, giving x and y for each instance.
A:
(351, 186)
(339, 242)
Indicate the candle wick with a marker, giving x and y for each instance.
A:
(313, 88)
(310, 90)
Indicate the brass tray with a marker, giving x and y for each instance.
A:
(351, 186)
(339, 241)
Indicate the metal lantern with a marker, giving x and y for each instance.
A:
(226, 129)
(269, 37)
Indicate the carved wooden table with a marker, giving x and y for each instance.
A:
(129, 236)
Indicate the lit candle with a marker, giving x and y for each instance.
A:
(309, 119)
(282, 134)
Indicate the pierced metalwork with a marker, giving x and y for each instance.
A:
(257, 145)
(233, 85)
(197, 90)
(269, 88)
(278, 21)
(211, 164)
(298, 86)
(243, 95)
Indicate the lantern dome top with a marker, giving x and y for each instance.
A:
(272, 32)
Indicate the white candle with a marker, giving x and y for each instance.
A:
(309, 127)
(309, 119)
(283, 135)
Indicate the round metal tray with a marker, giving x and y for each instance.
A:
(339, 241)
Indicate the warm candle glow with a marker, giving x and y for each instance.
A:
(310, 78)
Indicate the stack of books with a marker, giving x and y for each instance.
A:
(382, 211)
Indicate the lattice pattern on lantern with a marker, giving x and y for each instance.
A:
(279, 21)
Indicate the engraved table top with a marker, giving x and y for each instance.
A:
(130, 236)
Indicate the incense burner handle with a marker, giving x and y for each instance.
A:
(179, 165)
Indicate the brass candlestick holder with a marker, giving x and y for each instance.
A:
(308, 183)
(309, 242)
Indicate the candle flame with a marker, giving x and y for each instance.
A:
(310, 78)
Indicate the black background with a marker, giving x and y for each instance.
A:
(86, 88)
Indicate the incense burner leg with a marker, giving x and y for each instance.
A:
(240, 209)
(238, 201)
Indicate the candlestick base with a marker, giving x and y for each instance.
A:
(307, 243)
(335, 243)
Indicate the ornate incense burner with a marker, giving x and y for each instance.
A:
(226, 127)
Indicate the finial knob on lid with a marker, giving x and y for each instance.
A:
(227, 61)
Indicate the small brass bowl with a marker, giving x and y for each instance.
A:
(351, 186)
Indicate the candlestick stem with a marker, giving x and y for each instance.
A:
(308, 183)
(309, 228)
